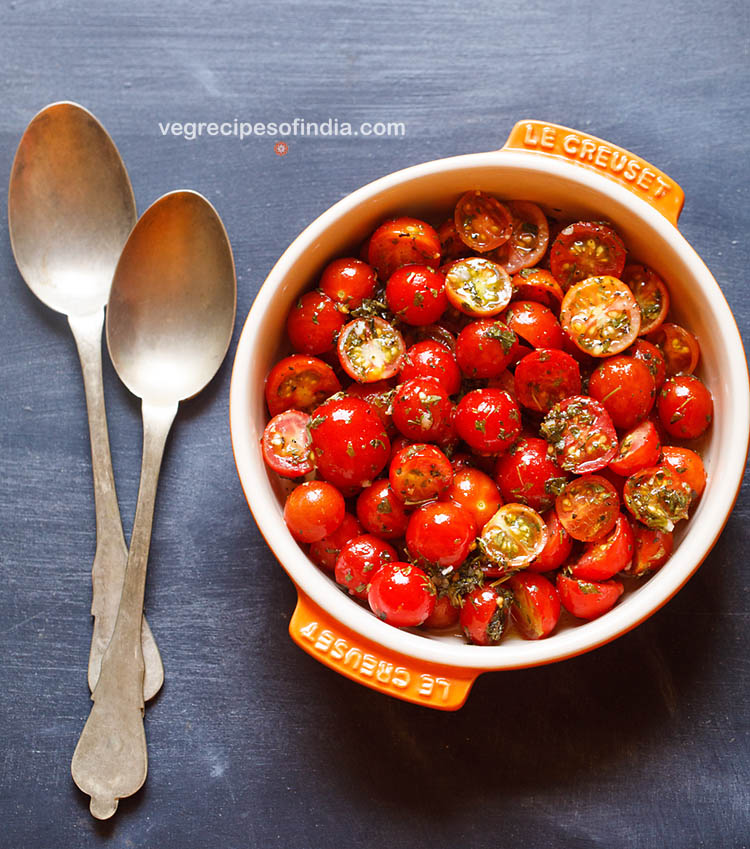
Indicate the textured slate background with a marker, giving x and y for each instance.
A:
(252, 743)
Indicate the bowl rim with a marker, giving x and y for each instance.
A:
(585, 637)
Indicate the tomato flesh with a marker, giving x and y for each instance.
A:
(482, 222)
(586, 249)
(581, 434)
(601, 316)
(287, 445)
(588, 507)
(477, 286)
(370, 349)
(536, 605)
(513, 537)
(588, 599)
(300, 383)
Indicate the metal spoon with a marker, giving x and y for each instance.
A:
(169, 323)
(70, 210)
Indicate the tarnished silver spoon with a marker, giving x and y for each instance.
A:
(70, 210)
(169, 323)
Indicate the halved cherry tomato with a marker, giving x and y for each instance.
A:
(658, 497)
(324, 552)
(688, 466)
(441, 534)
(685, 406)
(650, 293)
(475, 491)
(444, 615)
(314, 510)
(679, 347)
(604, 558)
(313, 324)
(485, 347)
(528, 475)
(488, 420)
(513, 537)
(581, 434)
(419, 473)
(287, 446)
(360, 560)
(477, 286)
(349, 281)
(422, 410)
(601, 316)
(534, 323)
(640, 447)
(370, 349)
(537, 284)
(545, 377)
(588, 507)
(652, 550)
(586, 249)
(482, 222)
(350, 444)
(652, 356)
(588, 599)
(300, 383)
(416, 294)
(432, 359)
(484, 615)
(625, 388)
(536, 605)
(451, 245)
(381, 511)
(528, 240)
(558, 547)
(401, 594)
(402, 241)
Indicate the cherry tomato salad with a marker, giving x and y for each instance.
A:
(488, 422)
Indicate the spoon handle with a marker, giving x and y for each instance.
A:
(111, 555)
(111, 761)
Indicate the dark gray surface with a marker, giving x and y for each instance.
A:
(252, 743)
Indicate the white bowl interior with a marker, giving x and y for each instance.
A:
(430, 191)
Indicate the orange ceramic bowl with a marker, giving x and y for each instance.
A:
(560, 169)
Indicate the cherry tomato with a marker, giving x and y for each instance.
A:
(422, 410)
(416, 294)
(586, 249)
(640, 447)
(380, 395)
(528, 240)
(488, 420)
(420, 473)
(370, 349)
(650, 293)
(484, 615)
(360, 560)
(657, 497)
(432, 359)
(313, 324)
(401, 594)
(451, 245)
(433, 333)
(478, 287)
(604, 558)
(536, 605)
(545, 377)
(537, 284)
(652, 356)
(601, 316)
(403, 241)
(314, 510)
(688, 466)
(441, 534)
(685, 406)
(476, 492)
(482, 222)
(381, 512)
(534, 323)
(445, 614)
(679, 348)
(581, 434)
(557, 548)
(513, 537)
(527, 474)
(652, 550)
(349, 281)
(287, 446)
(587, 599)
(350, 444)
(299, 382)
(625, 388)
(485, 347)
(588, 507)
(324, 552)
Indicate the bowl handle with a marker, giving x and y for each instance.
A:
(428, 684)
(616, 163)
